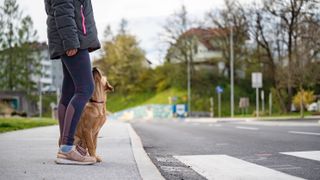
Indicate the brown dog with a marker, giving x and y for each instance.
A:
(93, 116)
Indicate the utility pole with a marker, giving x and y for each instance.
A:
(270, 103)
(232, 73)
(257, 102)
(189, 87)
(40, 98)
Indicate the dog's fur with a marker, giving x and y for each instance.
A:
(93, 116)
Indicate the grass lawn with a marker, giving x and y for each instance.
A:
(12, 124)
(117, 102)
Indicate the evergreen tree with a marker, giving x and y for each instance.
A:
(19, 56)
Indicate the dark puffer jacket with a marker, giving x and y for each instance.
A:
(70, 25)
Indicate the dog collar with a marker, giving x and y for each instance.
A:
(94, 101)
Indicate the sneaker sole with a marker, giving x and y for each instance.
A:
(70, 162)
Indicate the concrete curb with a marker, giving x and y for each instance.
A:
(146, 168)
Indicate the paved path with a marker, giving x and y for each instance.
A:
(30, 154)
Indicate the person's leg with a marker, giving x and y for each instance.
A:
(79, 68)
(67, 93)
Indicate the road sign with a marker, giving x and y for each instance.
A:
(180, 110)
(256, 78)
(244, 102)
(219, 89)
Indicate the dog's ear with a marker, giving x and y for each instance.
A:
(108, 87)
(96, 72)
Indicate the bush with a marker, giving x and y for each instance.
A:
(307, 97)
(5, 109)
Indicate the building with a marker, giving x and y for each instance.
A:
(57, 75)
(19, 102)
(52, 74)
(207, 49)
(50, 80)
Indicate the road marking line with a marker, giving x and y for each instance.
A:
(175, 169)
(166, 159)
(230, 168)
(305, 133)
(288, 168)
(247, 128)
(222, 144)
(284, 167)
(313, 155)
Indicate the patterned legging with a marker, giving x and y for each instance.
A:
(77, 88)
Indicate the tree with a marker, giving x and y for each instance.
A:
(123, 61)
(280, 29)
(181, 44)
(18, 56)
(232, 16)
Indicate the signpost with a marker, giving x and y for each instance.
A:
(180, 110)
(244, 104)
(219, 91)
(211, 107)
(256, 78)
(263, 102)
(270, 104)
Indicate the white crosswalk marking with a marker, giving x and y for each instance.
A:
(216, 167)
(313, 155)
(247, 128)
(305, 133)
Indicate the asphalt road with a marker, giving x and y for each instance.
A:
(175, 146)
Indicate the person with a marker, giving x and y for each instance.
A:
(72, 34)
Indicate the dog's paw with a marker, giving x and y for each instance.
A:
(99, 159)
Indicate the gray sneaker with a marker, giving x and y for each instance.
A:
(74, 157)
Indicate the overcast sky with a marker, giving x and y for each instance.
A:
(146, 17)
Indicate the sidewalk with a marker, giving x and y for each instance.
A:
(30, 154)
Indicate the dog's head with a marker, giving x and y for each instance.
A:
(101, 80)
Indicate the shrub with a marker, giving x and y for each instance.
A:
(5, 109)
(308, 98)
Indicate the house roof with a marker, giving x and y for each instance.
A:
(205, 36)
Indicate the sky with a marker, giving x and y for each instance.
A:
(146, 18)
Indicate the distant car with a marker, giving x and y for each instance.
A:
(313, 107)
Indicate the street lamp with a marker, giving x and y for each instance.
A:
(189, 80)
(40, 96)
(231, 73)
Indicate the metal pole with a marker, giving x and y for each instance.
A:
(262, 101)
(257, 102)
(212, 106)
(40, 98)
(219, 101)
(232, 73)
(302, 103)
(270, 104)
(189, 88)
